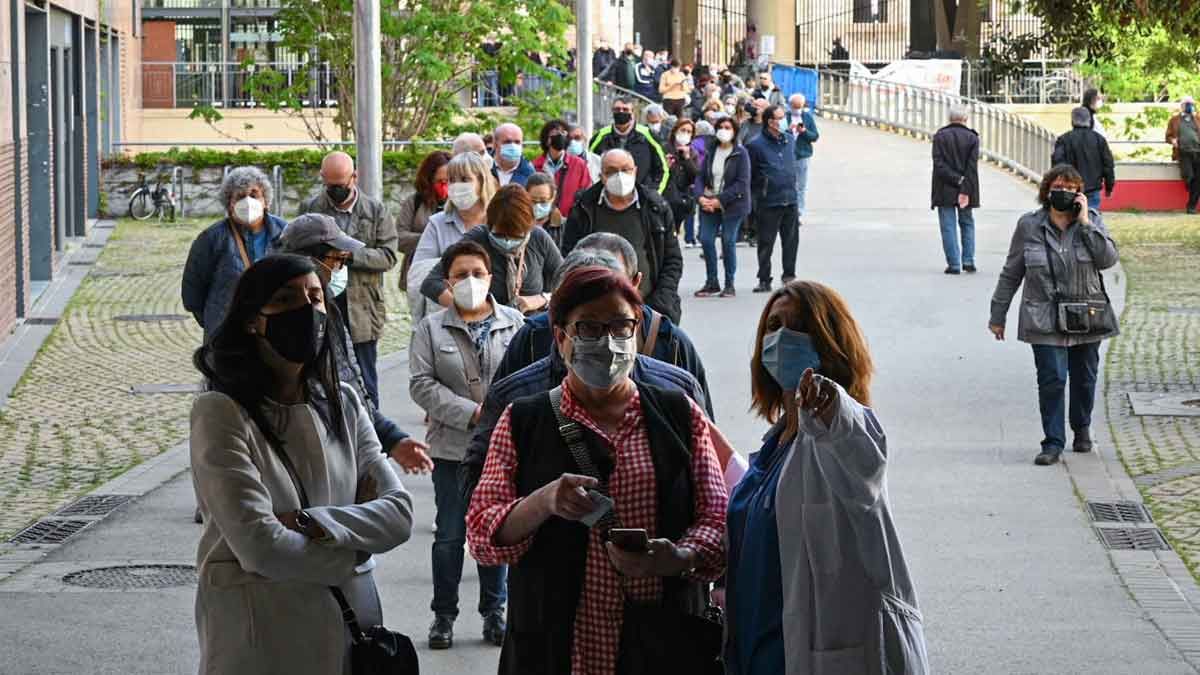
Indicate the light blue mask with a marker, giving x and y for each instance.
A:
(541, 211)
(338, 281)
(510, 152)
(786, 354)
(575, 147)
(506, 244)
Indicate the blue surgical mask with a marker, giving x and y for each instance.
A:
(541, 211)
(510, 152)
(338, 281)
(506, 244)
(786, 354)
(576, 148)
(1189, 108)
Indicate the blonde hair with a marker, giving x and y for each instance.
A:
(470, 166)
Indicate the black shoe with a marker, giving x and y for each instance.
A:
(197, 516)
(729, 292)
(786, 280)
(1047, 458)
(708, 291)
(494, 628)
(952, 270)
(1083, 441)
(970, 269)
(763, 287)
(441, 632)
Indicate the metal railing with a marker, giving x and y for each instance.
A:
(1005, 138)
(167, 84)
(1035, 81)
(605, 94)
(488, 92)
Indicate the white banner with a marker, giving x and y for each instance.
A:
(944, 75)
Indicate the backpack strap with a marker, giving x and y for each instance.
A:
(651, 333)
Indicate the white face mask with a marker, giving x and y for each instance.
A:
(338, 281)
(463, 195)
(683, 139)
(621, 184)
(656, 127)
(248, 210)
(471, 293)
(725, 135)
(602, 363)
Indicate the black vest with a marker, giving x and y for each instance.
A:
(545, 585)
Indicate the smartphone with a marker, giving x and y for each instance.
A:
(631, 540)
(603, 505)
(1076, 207)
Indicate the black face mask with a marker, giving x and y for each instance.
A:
(559, 141)
(338, 193)
(622, 118)
(1062, 200)
(297, 335)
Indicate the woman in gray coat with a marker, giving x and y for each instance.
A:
(295, 490)
(1058, 252)
(452, 358)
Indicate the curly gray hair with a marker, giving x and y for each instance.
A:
(243, 178)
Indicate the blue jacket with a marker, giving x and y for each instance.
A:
(522, 173)
(213, 268)
(804, 141)
(735, 195)
(773, 162)
(543, 375)
(535, 340)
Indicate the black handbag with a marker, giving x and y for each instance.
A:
(655, 637)
(1079, 316)
(377, 650)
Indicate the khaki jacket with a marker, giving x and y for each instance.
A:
(263, 604)
(372, 224)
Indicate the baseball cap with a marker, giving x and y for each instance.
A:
(311, 229)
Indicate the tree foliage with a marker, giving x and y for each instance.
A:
(432, 52)
(1094, 29)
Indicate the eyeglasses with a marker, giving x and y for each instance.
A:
(594, 330)
(333, 261)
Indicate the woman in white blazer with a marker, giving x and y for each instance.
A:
(265, 563)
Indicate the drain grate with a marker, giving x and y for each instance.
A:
(1193, 403)
(151, 318)
(41, 321)
(134, 577)
(193, 388)
(1133, 538)
(49, 531)
(82, 263)
(1118, 512)
(94, 505)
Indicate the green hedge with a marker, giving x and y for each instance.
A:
(293, 161)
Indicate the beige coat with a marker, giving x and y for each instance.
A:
(263, 603)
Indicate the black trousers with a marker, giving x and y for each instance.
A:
(1189, 166)
(777, 222)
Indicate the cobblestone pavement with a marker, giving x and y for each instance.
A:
(73, 422)
(1159, 351)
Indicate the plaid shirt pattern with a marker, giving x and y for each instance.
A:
(631, 485)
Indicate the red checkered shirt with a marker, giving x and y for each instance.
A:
(631, 485)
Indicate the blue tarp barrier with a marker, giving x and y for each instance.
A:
(793, 80)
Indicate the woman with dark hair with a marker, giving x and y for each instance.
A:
(543, 193)
(1094, 101)
(570, 172)
(524, 257)
(723, 184)
(566, 468)
(295, 489)
(1056, 254)
(683, 162)
(431, 189)
(816, 580)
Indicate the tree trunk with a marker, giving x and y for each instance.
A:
(943, 17)
(967, 28)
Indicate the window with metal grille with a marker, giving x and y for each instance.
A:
(870, 11)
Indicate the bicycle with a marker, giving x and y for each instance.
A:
(145, 203)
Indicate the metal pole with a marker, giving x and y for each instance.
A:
(368, 90)
(583, 65)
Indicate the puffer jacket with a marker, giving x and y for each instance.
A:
(1078, 255)
(438, 372)
(372, 224)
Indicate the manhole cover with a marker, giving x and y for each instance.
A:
(132, 577)
(151, 318)
(49, 531)
(1118, 512)
(1156, 403)
(94, 505)
(1133, 538)
(166, 389)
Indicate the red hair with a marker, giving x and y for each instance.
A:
(586, 284)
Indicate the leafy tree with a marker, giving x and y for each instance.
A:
(1094, 29)
(1151, 66)
(432, 54)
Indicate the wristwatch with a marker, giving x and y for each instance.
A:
(306, 523)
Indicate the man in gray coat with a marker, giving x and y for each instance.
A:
(366, 219)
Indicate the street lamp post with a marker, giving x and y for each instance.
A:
(583, 65)
(368, 95)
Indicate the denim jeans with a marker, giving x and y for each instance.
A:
(777, 222)
(1093, 199)
(448, 544)
(1055, 366)
(801, 184)
(367, 354)
(952, 220)
(689, 229)
(710, 223)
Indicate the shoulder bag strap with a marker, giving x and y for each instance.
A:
(241, 245)
(466, 348)
(652, 333)
(572, 435)
(348, 615)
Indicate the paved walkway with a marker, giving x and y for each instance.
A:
(1011, 577)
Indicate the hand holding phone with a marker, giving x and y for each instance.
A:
(629, 539)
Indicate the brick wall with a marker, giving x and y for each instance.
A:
(8, 214)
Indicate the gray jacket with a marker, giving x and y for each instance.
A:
(371, 224)
(1078, 256)
(438, 381)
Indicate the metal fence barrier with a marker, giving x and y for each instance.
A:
(177, 188)
(169, 84)
(1006, 139)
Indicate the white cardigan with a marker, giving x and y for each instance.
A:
(263, 605)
